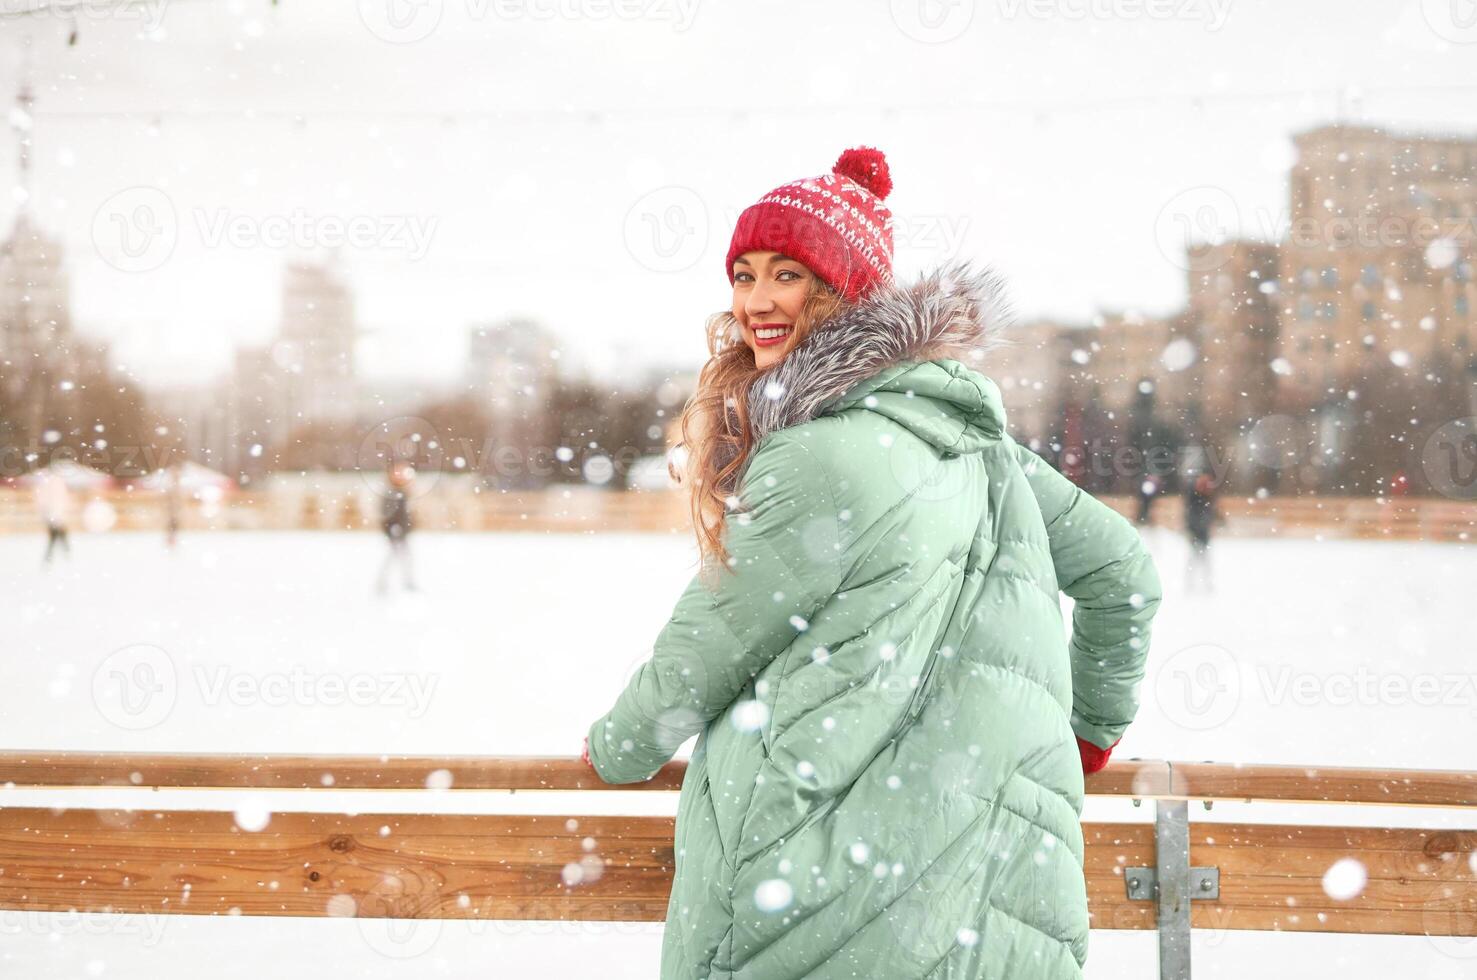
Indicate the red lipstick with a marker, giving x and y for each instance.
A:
(775, 341)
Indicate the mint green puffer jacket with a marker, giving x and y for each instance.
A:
(885, 781)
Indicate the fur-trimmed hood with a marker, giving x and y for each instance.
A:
(927, 341)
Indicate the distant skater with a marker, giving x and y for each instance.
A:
(395, 522)
(1149, 488)
(54, 504)
(172, 506)
(1201, 514)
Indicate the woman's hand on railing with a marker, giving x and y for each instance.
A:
(1093, 758)
(585, 753)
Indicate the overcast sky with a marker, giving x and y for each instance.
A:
(583, 161)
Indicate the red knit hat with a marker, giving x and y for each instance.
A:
(835, 224)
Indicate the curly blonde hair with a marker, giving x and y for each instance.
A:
(716, 454)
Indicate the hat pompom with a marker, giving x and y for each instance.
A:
(867, 166)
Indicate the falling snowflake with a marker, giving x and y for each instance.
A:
(1345, 879)
(252, 815)
(773, 895)
(749, 716)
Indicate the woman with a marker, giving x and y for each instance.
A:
(886, 781)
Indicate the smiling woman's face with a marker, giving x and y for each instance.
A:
(769, 291)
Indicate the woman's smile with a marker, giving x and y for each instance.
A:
(771, 334)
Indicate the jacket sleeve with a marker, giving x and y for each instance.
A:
(1102, 563)
(785, 563)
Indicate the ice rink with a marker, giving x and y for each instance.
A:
(1356, 653)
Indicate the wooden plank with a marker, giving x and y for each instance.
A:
(303, 864)
(1135, 778)
(1324, 784)
(382, 772)
(600, 868)
(1272, 877)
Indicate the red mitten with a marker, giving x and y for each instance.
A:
(585, 753)
(1093, 758)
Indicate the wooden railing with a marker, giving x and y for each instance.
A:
(63, 856)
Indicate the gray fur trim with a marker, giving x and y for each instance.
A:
(955, 312)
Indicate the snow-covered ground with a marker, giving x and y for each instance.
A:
(1334, 653)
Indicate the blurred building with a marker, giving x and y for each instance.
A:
(198, 424)
(315, 345)
(37, 346)
(509, 363)
(304, 379)
(1376, 271)
(259, 417)
(1032, 369)
(512, 377)
(1228, 340)
(1124, 353)
(1378, 264)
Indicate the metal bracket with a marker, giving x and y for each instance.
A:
(1142, 884)
(1172, 885)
